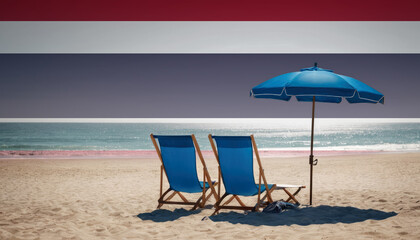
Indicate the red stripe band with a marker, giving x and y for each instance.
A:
(209, 10)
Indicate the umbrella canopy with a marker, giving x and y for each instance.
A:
(316, 85)
(324, 84)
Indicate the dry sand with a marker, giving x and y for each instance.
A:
(355, 197)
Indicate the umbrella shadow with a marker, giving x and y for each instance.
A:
(305, 216)
(163, 215)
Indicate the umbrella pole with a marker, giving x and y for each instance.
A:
(311, 157)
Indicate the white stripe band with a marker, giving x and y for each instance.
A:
(209, 37)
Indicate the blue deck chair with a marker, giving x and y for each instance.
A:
(178, 158)
(235, 158)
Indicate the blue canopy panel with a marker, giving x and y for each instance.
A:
(179, 160)
(274, 88)
(319, 99)
(283, 96)
(278, 82)
(236, 164)
(365, 93)
(356, 99)
(313, 83)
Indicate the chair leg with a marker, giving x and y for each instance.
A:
(212, 193)
(229, 200)
(256, 207)
(260, 203)
(182, 197)
(199, 203)
(270, 190)
(292, 196)
(206, 198)
(204, 188)
(163, 201)
(240, 201)
(161, 198)
(217, 204)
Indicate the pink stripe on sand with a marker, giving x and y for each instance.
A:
(152, 153)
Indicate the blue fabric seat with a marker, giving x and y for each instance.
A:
(236, 163)
(207, 184)
(179, 161)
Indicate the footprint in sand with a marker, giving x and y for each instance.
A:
(415, 208)
(372, 233)
(116, 214)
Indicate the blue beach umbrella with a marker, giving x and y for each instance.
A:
(316, 85)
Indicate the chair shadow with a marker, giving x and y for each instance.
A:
(304, 216)
(163, 215)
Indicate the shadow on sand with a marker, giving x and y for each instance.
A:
(304, 216)
(163, 215)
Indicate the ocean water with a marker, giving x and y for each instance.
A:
(278, 134)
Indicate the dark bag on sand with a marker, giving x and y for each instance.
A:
(278, 207)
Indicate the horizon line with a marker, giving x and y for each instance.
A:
(180, 120)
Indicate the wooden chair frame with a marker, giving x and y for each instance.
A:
(206, 178)
(260, 201)
(292, 196)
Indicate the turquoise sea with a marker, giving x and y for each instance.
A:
(279, 134)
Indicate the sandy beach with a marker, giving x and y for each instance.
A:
(368, 196)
